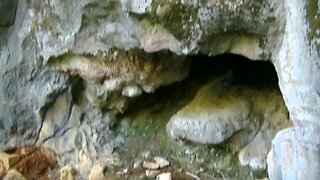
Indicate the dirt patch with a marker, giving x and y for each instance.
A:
(34, 163)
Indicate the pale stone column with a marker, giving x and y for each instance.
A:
(296, 151)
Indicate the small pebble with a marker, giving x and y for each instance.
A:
(125, 171)
(137, 164)
(161, 161)
(150, 165)
(164, 176)
(152, 173)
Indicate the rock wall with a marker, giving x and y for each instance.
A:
(99, 40)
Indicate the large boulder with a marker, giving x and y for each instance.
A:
(214, 115)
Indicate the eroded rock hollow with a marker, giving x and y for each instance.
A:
(70, 70)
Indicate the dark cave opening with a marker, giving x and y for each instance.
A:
(255, 73)
(144, 125)
(231, 68)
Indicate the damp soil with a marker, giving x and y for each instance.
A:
(142, 128)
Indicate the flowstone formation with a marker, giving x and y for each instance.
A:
(66, 67)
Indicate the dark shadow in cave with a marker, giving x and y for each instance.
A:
(236, 69)
(243, 71)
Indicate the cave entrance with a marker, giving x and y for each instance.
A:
(227, 110)
(241, 70)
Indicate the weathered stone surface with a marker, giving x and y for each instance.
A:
(290, 159)
(179, 26)
(27, 89)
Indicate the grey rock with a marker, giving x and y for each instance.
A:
(137, 164)
(164, 176)
(213, 116)
(24, 102)
(150, 165)
(161, 161)
(289, 159)
(152, 173)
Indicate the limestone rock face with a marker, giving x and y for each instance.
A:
(290, 159)
(27, 88)
(183, 27)
(66, 51)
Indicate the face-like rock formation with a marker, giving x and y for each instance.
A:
(65, 64)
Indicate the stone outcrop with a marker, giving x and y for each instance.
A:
(45, 36)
